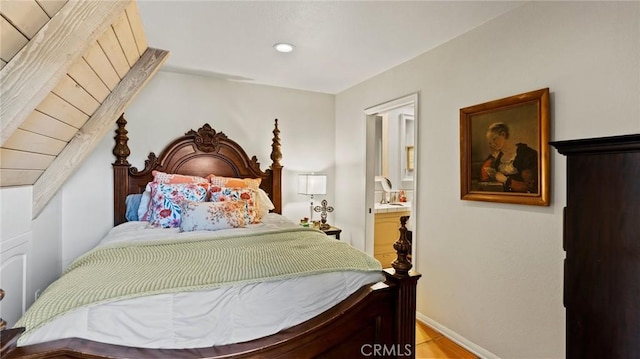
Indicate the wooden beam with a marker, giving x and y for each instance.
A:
(37, 68)
(81, 146)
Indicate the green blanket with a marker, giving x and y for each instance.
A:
(132, 270)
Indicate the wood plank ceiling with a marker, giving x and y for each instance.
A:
(68, 70)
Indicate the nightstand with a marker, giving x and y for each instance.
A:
(333, 231)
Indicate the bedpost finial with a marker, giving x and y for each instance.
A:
(402, 264)
(276, 148)
(121, 149)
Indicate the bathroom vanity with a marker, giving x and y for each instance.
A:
(387, 219)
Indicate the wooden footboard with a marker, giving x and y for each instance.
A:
(377, 321)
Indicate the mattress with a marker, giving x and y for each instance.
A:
(208, 317)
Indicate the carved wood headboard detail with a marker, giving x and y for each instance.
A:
(197, 153)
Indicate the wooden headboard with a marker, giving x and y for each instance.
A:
(197, 153)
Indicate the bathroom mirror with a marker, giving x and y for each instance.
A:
(395, 146)
(407, 129)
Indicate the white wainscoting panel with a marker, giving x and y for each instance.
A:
(14, 255)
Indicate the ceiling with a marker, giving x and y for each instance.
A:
(338, 44)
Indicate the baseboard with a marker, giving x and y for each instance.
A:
(457, 338)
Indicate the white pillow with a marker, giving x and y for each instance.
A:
(145, 201)
(264, 202)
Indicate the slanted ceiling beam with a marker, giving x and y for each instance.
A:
(102, 120)
(37, 68)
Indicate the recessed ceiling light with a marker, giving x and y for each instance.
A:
(283, 47)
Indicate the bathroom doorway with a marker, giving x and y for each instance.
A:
(391, 158)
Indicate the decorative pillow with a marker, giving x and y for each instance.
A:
(166, 199)
(145, 204)
(162, 177)
(133, 203)
(219, 181)
(264, 202)
(245, 194)
(212, 216)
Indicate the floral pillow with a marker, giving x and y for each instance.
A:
(164, 210)
(212, 216)
(162, 177)
(220, 181)
(246, 195)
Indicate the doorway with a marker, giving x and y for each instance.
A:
(391, 157)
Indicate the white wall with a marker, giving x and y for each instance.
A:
(172, 104)
(492, 273)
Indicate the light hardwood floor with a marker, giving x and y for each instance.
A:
(430, 344)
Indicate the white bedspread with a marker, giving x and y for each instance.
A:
(203, 318)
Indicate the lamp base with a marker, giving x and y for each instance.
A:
(324, 226)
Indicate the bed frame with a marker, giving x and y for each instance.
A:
(376, 321)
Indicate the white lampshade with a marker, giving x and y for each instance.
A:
(312, 183)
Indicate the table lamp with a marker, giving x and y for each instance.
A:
(311, 184)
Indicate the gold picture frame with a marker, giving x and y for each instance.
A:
(410, 158)
(504, 150)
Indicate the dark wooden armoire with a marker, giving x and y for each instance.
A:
(602, 244)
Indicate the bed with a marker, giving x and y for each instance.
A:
(346, 307)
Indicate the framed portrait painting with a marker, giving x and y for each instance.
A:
(504, 150)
